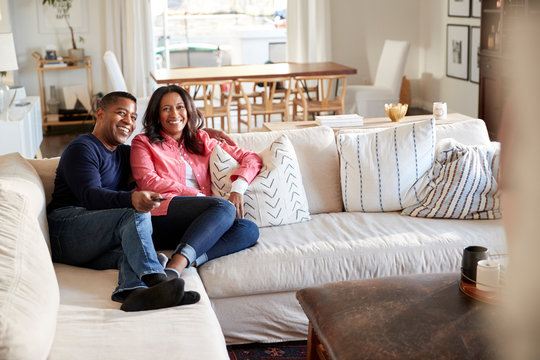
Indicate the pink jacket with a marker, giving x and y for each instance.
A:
(159, 167)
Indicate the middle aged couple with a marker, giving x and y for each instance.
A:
(98, 219)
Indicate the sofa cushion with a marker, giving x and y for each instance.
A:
(347, 246)
(385, 170)
(315, 148)
(467, 132)
(90, 324)
(29, 295)
(46, 169)
(464, 183)
(276, 196)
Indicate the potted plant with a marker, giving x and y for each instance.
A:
(63, 7)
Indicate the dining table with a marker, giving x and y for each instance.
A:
(234, 72)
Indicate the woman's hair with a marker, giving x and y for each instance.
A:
(152, 123)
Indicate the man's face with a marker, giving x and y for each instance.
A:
(116, 122)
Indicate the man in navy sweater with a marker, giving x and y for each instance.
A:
(97, 221)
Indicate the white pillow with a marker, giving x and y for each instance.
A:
(276, 196)
(315, 149)
(386, 169)
(467, 132)
(464, 183)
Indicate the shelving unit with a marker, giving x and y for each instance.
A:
(55, 119)
(497, 38)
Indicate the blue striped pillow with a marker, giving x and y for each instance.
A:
(386, 169)
(464, 183)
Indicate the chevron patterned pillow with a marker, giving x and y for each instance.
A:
(276, 196)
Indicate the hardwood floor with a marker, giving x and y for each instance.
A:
(57, 138)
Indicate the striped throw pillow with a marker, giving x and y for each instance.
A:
(464, 183)
(386, 169)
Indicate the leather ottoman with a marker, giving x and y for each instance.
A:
(408, 317)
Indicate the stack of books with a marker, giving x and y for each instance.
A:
(340, 120)
(55, 64)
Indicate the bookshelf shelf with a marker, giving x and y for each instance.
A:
(66, 64)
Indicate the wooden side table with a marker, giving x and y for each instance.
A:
(409, 317)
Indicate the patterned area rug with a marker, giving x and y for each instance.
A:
(277, 351)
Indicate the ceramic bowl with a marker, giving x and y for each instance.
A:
(396, 112)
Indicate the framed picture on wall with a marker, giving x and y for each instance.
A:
(476, 8)
(457, 51)
(475, 47)
(460, 8)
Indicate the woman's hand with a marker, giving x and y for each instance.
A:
(238, 202)
(219, 135)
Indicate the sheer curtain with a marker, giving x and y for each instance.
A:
(308, 31)
(128, 26)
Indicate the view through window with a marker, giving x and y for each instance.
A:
(218, 32)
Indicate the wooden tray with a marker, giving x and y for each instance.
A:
(491, 297)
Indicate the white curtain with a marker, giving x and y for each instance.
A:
(308, 31)
(128, 25)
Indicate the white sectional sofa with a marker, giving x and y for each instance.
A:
(58, 311)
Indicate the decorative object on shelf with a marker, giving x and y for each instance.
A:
(62, 9)
(52, 102)
(8, 62)
(457, 51)
(459, 8)
(475, 48)
(50, 54)
(77, 98)
(439, 110)
(396, 112)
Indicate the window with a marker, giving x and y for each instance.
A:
(218, 32)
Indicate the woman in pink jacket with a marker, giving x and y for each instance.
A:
(171, 158)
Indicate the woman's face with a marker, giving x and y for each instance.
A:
(172, 115)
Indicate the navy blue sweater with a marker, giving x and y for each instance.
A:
(92, 176)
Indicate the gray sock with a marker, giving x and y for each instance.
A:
(163, 259)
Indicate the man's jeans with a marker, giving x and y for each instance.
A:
(203, 228)
(105, 239)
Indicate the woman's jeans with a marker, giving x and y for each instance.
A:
(105, 239)
(203, 228)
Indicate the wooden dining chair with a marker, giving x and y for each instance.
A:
(326, 99)
(270, 104)
(213, 99)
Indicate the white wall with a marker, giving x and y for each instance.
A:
(5, 27)
(359, 28)
(4, 20)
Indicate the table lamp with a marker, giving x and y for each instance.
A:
(8, 62)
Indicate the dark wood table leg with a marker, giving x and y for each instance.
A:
(315, 350)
